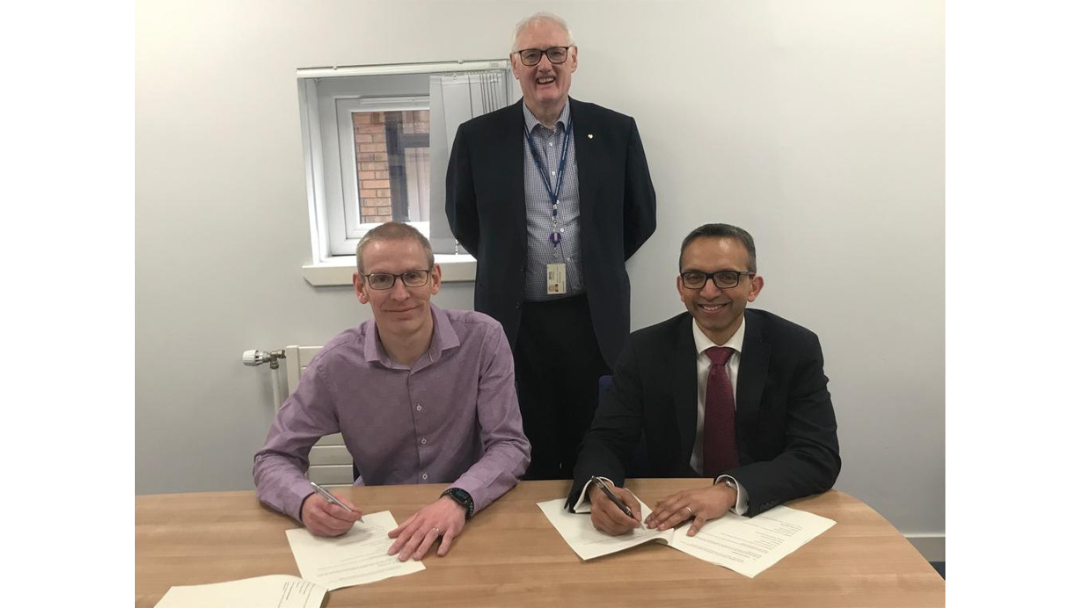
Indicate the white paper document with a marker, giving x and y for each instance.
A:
(275, 591)
(588, 542)
(746, 545)
(357, 557)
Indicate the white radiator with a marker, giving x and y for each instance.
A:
(331, 463)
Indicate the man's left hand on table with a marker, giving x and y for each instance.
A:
(702, 505)
(443, 518)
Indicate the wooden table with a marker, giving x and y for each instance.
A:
(510, 555)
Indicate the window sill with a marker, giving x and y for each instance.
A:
(339, 271)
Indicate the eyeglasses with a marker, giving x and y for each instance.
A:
(555, 54)
(381, 281)
(723, 279)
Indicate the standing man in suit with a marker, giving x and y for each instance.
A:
(735, 395)
(551, 196)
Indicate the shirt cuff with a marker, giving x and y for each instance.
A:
(294, 500)
(742, 497)
(583, 505)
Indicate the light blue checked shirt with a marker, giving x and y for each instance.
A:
(540, 251)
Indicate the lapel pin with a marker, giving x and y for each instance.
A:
(590, 135)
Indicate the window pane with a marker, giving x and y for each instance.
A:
(392, 166)
(376, 145)
(417, 175)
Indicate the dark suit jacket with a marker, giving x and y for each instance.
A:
(784, 419)
(485, 203)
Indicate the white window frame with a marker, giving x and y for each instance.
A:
(335, 227)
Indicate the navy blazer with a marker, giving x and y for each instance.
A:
(784, 419)
(485, 203)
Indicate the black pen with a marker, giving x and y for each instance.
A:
(611, 495)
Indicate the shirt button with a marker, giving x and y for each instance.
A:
(418, 408)
(423, 441)
(553, 173)
(551, 143)
(424, 476)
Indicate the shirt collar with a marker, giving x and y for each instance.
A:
(531, 121)
(735, 342)
(443, 338)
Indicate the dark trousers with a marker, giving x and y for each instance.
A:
(558, 365)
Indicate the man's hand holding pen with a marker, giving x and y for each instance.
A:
(609, 517)
(324, 518)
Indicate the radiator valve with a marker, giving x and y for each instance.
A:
(258, 357)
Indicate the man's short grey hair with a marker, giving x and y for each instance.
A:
(537, 18)
(393, 231)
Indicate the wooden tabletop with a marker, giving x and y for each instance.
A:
(510, 555)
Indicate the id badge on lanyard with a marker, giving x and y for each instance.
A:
(556, 272)
(556, 278)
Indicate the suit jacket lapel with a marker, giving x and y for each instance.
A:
(684, 382)
(511, 166)
(753, 369)
(586, 170)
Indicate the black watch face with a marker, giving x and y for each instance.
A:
(462, 498)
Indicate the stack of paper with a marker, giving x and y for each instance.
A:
(278, 590)
(743, 544)
(357, 557)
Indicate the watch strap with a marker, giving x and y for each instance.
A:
(461, 497)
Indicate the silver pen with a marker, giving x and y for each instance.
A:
(328, 496)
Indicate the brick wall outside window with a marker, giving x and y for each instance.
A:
(372, 162)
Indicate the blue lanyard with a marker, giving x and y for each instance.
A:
(555, 237)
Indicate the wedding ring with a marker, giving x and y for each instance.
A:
(437, 531)
(689, 512)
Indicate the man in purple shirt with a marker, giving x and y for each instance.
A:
(420, 395)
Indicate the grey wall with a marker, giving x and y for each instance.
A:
(818, 126)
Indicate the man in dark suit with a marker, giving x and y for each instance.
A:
(735, 395)
(552, 196)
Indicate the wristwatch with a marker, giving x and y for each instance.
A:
(462, 498)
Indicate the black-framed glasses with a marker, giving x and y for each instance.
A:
(723, 279)
(555, 54)
(381, 281)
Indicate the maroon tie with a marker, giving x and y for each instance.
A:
(721, 451)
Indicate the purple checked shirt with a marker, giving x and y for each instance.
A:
(451, 419)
